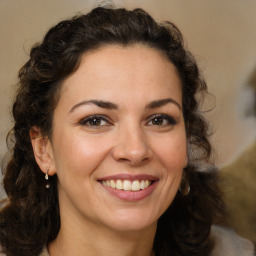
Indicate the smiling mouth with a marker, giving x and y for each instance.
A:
(127, 185)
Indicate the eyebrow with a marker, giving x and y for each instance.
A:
(99, 103)
(162, 102)
(110, 105)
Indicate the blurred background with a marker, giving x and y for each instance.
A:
(222, 36)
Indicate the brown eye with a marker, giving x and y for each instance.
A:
(94, 121)
(161, 120)
(157, 121)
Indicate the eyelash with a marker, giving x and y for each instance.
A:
(86, 121)
(165, 120)
(170, 120)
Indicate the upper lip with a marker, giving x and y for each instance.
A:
(129, 177)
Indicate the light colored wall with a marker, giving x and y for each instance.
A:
(221, 33)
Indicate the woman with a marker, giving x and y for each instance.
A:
(110, 154)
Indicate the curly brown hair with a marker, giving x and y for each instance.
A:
(30, 217)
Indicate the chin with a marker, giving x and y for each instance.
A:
(128, 221)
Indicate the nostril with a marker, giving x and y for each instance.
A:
(132, 149)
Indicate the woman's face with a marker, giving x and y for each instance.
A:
(118, 144)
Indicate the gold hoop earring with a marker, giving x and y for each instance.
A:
(184, 188)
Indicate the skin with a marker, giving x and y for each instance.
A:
(127, 140)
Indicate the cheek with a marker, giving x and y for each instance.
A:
(172, 152)
(78, 154)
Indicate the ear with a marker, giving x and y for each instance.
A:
(42, 151)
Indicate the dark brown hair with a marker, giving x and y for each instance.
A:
(30, 217)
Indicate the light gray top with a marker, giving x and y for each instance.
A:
(227, 243)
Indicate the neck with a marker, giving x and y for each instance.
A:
(83, 238)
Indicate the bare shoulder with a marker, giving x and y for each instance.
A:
(228, 243)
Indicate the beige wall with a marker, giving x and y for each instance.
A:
(221, 33)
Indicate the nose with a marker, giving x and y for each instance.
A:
(132, 146)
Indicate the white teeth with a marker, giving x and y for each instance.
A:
(127, 185)
(112, 184)
(142, 184)
(119, 184)
(135, 185)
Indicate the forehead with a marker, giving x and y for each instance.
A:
(115, 68)
(138, 54)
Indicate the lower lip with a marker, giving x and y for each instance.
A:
(132, 196)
